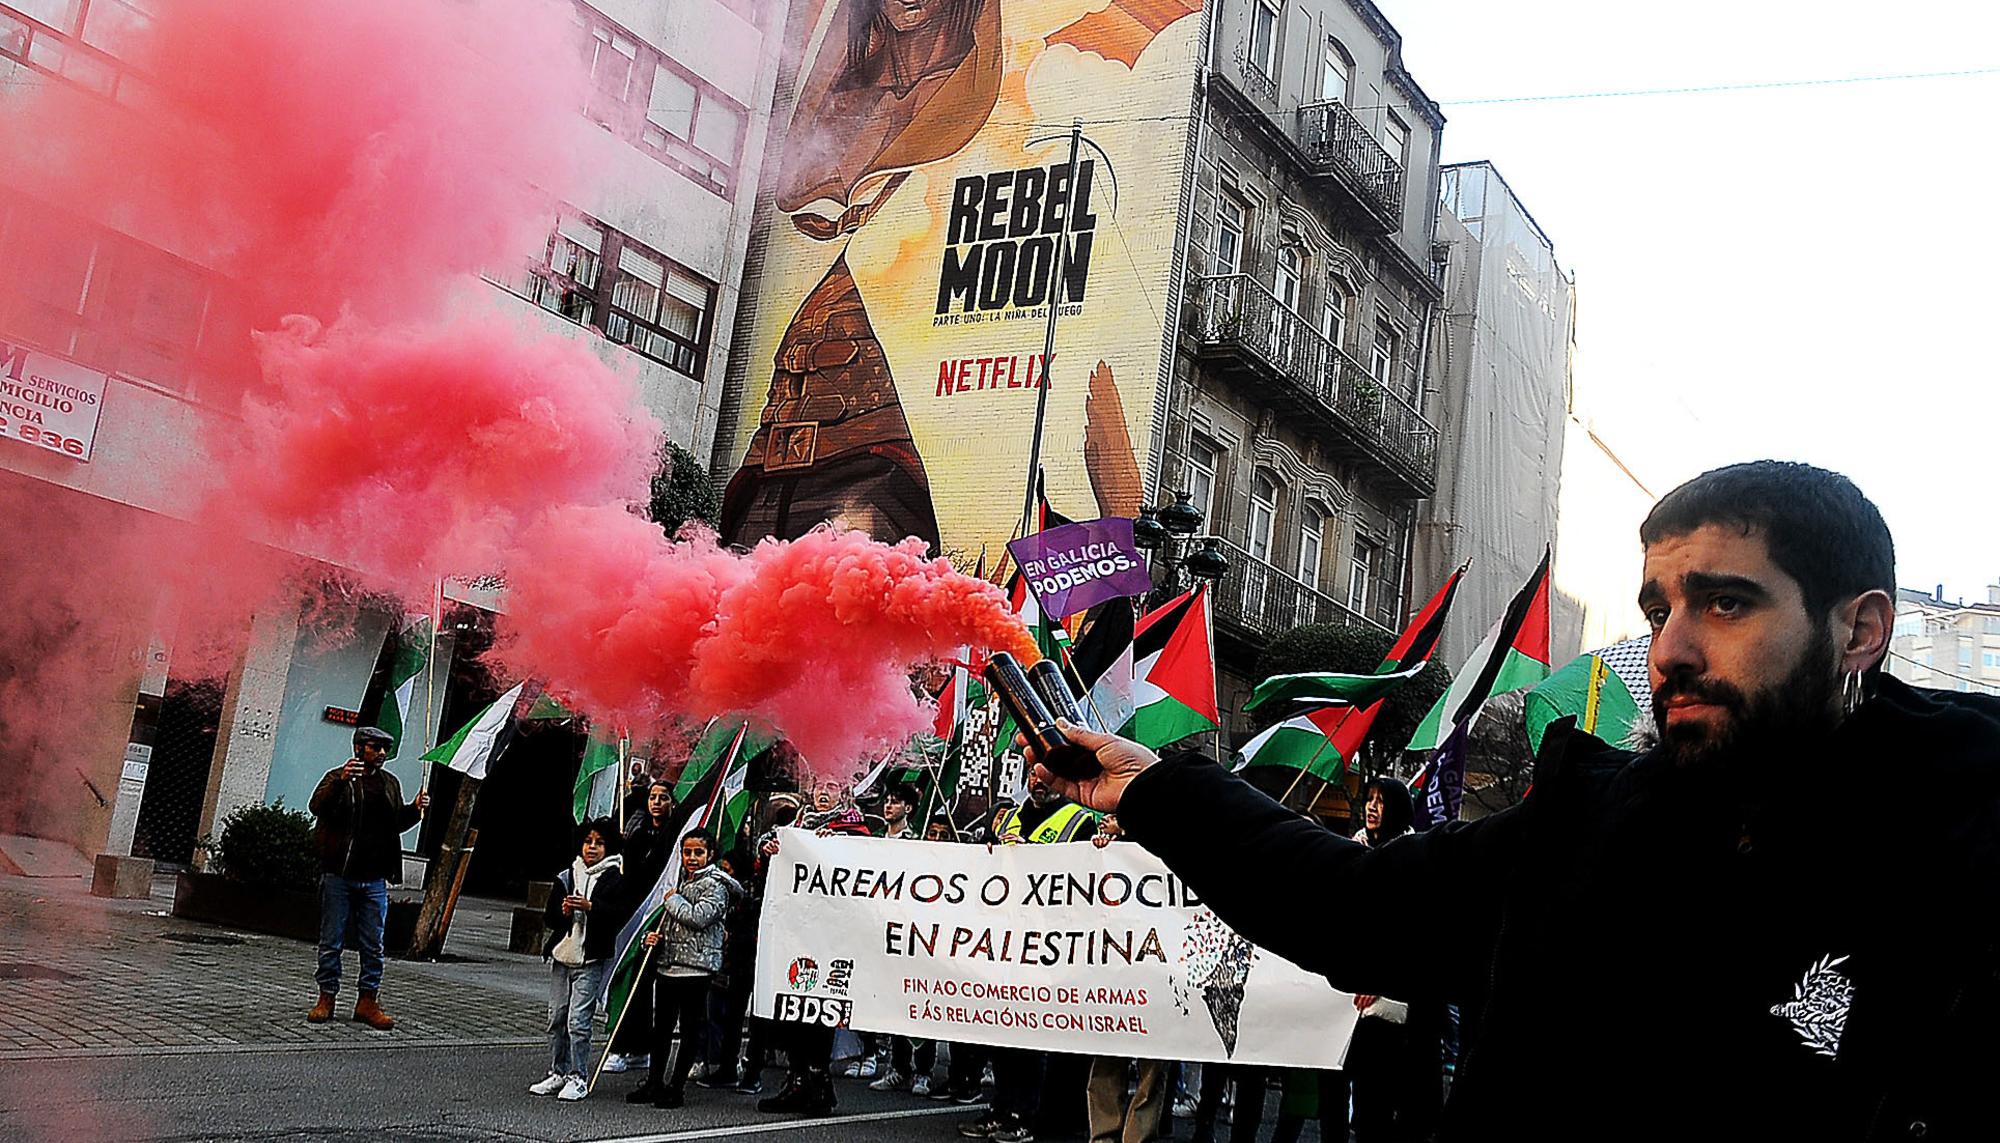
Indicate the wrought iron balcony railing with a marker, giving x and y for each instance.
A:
(1235, 312)
(1337, 143)
(1264, 601)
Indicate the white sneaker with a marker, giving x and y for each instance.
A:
(548, 1084)
(891, 1080)
(619, 1062)
(920, 1086)
(574, 1089)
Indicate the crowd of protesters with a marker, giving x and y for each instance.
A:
(689, 1019)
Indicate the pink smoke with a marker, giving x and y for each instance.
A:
(814, 636)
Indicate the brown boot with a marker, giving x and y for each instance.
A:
(367, 1011)
(323, 1011)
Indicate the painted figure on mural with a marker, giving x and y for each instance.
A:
(898, 84)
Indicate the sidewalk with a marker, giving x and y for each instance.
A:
(89, 976)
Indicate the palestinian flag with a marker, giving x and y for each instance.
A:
(596, 788)
(413, 653)
(1174, 665)
(1410, 655)
(1514, 654)
(1103, 660)
(472, 750)
(716, 742)
(1608, 691)
(710, 800)
(1321, 741)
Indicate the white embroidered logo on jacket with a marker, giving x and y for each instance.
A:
(1818, 1008)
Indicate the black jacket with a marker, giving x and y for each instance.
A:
(1646, 952)
(611, 904)
(358, 824)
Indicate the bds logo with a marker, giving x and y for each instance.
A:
(795, 1009)
(803, 975)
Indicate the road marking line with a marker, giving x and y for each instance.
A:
(790, 1125)
(29, 1055)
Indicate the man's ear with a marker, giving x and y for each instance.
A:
(1862, 627)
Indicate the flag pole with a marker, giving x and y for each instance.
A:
(430, 679)
(1049, 335)
(645, 961)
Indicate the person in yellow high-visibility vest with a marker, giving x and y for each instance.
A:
(1046, 818)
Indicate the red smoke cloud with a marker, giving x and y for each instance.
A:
(352, 165)
(813, 636)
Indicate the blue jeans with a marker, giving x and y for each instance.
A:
(357, 907)
(572, 1007)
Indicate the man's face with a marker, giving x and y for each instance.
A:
(936, 832)
(659, 802)
(825, 797)
(1040, 794)
(894, 808)
(694, 855)
(1736, 659)
(909, 15)
(371, 754)
(1371, 813)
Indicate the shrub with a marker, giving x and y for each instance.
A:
(682, 491)
(268, 845)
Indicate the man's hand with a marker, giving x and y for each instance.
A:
(652, 938)
(573, 901)
(423, 801)
(1100, 839)
(1121, 758)
(352, 769)
(1364, 1002)
(770, 848)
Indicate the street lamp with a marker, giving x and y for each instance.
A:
(1166, 529)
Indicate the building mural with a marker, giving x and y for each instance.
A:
(894, 359)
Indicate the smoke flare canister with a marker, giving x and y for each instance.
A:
(1052, 748)
(1055, 693)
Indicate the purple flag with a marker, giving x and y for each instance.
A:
(1076, 566)
(1440, 786)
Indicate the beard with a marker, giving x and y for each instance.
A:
(1799, 707)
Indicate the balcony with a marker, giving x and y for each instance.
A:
(1263, 602)
(1239, 322)
(1339, 147)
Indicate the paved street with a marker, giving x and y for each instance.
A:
(123, 1023)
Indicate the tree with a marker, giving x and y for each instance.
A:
(682, 491)
(1355, 650)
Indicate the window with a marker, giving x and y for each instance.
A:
(1395, 138)
(595, 276)
(1334, 72)
(653, 102)
(1231, 223)
(1263, 516)
(1992, 625)
(702, 133)
(1382, 358)
(1360, 569)
(116, 304)
(1286, 283)
(1311, 535)
(1264, 37)
(1333, 314)
(1964, 653)
(1203, 460)
(1990, 660)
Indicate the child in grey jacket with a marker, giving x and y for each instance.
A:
(689, 952)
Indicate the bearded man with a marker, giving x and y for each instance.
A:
(1709, 940)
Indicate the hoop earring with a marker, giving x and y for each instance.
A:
(1851, 694)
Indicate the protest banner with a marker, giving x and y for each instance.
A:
(1074, 567)
(1066, 948)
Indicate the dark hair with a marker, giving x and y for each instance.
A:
(902, 792)
(1818, 527)
(605, 828)
(704, 837)
(944, 820)
(1397, 812)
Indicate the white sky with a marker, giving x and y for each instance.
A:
(1800, 273)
